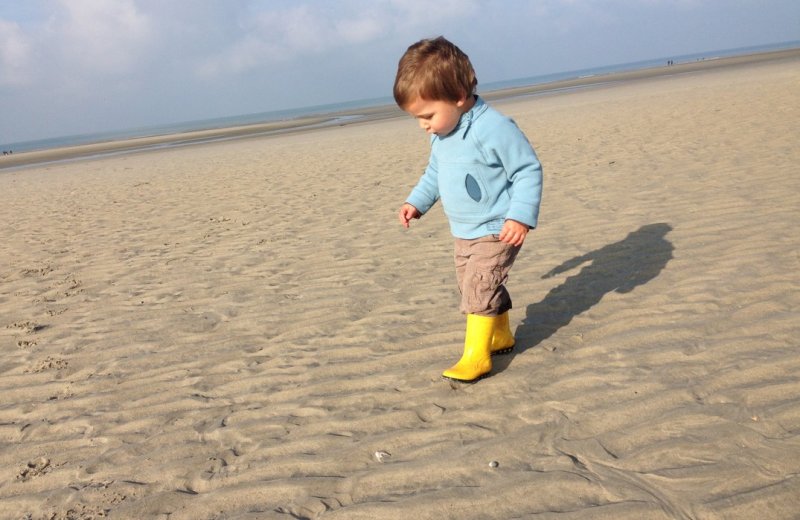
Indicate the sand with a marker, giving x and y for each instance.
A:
(233, 330)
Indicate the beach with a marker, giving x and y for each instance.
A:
(241, 329)
(201, 132)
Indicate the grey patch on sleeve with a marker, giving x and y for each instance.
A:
(473, 189)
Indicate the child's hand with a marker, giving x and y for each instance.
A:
(408, 212)
(513, 233)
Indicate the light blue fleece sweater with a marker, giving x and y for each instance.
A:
(485, 171)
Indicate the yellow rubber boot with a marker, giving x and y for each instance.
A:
(502, 339)
(477, 359)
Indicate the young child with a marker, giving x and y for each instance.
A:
(490, 182)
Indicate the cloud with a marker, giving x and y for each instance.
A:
(427, 15)
(85, 65)
(75, 42)
(274, 34)
(15, 55)
(280, 35)
(360, 29)
(80, 41)
(98, 36)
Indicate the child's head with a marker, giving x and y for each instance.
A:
(434, 70)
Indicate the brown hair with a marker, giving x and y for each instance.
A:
(434, 70)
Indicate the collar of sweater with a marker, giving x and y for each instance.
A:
(469, 116)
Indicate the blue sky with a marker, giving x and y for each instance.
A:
(85, 66)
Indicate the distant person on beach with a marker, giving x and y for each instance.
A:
(490, 181)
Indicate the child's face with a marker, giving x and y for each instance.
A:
(436, 117)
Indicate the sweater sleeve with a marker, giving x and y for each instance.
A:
(426, 192)
(524, 171)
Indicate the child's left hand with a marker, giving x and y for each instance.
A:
(513, 233)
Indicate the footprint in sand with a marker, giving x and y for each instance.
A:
(210, 476)
(25, 327)
(198, 323)
(28, 327)
(34, 469)
(49, 363)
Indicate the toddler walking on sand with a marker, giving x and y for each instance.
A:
(489, 180)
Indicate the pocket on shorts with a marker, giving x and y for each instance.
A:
(486, 282)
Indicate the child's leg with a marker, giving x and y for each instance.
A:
(482, 267)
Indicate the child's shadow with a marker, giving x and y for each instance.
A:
(620, 267)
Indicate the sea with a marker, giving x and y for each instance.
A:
(355, 105)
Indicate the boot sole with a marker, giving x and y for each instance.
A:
(466, 381)
(503, 351)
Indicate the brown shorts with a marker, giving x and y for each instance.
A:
(482, 267)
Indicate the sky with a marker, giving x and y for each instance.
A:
(72, 67)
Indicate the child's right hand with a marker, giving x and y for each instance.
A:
(408, 212)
